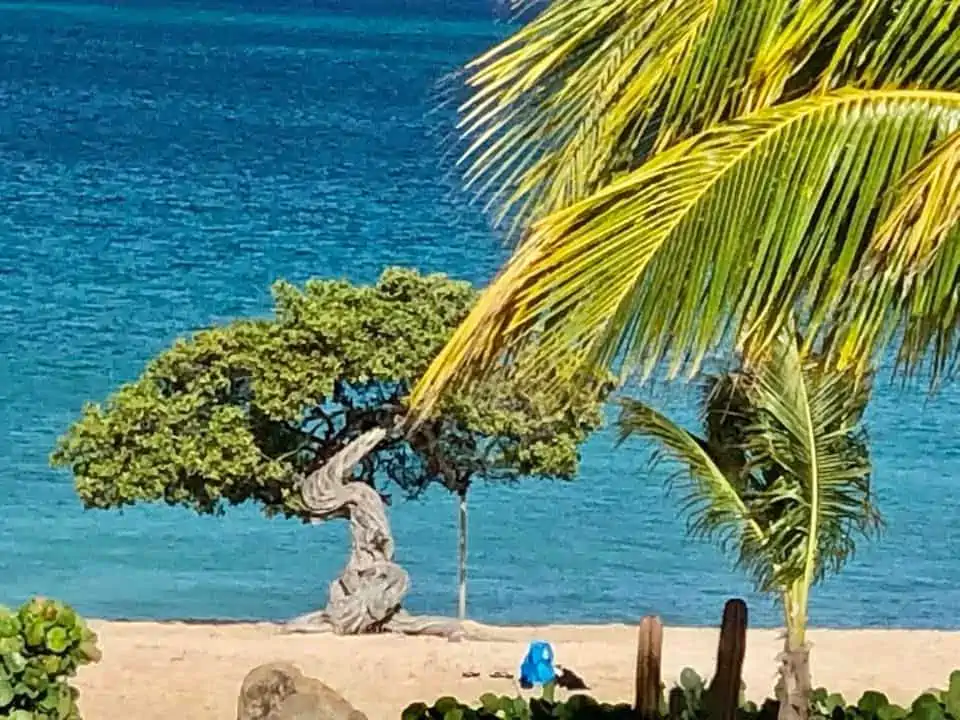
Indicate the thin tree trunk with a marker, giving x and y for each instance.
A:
(462, 555)
(794, 686)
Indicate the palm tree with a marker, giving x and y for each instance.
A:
(781, 478)
(682, 177)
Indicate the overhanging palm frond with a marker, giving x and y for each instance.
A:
(807, 427)
(589, 88)
(928, 207)
(907, 43)
(920, 233)
(723, 235)
(532, 126)
(711, 499)
(711, 81)
(786, 51)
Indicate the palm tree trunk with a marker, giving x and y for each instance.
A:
(795, 686)
(462, 555)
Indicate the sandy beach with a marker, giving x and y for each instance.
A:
(154, 671)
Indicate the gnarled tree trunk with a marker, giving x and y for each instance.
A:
(368, 595)
(371, 587)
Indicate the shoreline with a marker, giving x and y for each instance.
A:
(153, 670)
(585, 624)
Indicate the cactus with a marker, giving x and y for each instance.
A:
(723, 697)
(647, 686)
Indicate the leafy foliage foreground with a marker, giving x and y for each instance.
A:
(688, 700)
(42, 645)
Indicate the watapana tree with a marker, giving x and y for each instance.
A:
(780, 479)
(297, 412)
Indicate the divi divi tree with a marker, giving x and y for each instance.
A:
(299, 413)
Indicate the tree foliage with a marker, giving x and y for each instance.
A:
(240, 412)
(688, 175)
(781, 475)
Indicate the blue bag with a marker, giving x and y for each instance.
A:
(537, 667)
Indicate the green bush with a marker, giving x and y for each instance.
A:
(503, 707)
(931, 705)
(690, 691)
(689, 704)
(41, 646)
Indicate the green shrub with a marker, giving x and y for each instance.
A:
(503, 707)
(577, 707)
(41, 646)
(931, 705)
(689, 704)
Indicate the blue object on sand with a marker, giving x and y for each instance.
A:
(537, 666)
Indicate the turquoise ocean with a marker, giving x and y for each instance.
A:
(162, 163)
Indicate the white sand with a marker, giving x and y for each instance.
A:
(155, 671)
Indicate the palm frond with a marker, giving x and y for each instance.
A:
(807, 427)
(785, 52)
(708, 79)
(723, 235)
(726, 415)
(930, 315)
(591, 88)
(928, 206)
(904, 43)
(782, 477)
(709, 497)
(919, 233)
(550, 103)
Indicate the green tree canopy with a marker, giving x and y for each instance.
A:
(240, 412)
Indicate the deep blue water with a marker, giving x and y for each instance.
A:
(162, 163)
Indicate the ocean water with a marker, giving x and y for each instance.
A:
(162, 163)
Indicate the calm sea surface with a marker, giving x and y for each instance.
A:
(162, 163)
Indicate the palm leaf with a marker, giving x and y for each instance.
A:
(783, 476)
(904, 43)
(549, 104)
(808, 428)
(720, 237)
(928, 207)
(590, 88)
(709, 497)
(788, 50)
(920, 233)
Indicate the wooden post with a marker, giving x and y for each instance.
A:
(723, 696)
(649, 647)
